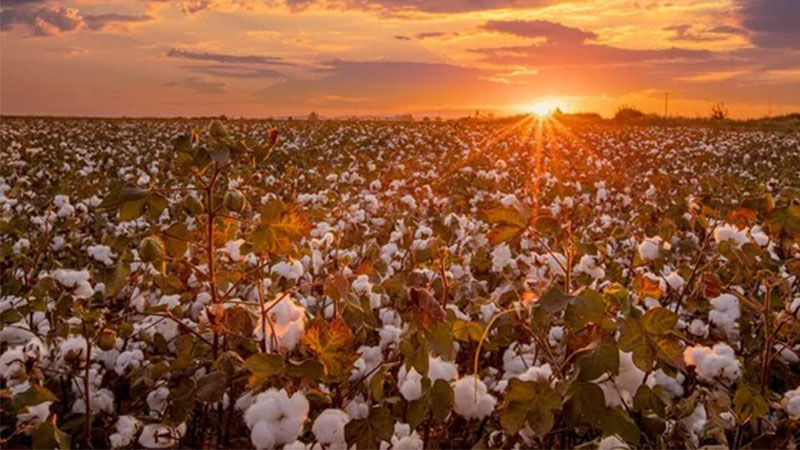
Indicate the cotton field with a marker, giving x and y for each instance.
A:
(344, 284)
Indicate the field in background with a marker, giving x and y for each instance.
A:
(520, 282)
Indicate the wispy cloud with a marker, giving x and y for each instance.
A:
(224, 58)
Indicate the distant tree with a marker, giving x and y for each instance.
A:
(719, 111)
(626, 112)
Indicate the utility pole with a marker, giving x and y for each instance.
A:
(666, 104)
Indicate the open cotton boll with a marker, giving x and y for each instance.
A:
(675, 281)
(128, 360)
(719, 361)
(622, 387)
(725, 314)
(234, 249)
(292, 270)
(403, 439)
(361, 285)
(409, 383)
(286, 323)
(157, 435)
(588, 265)
(517, 359)
(728, 232)
(791, 403)
(329, 428)
(101, 253)
(612, 443)
(649, 249)
(370, 359)
(78, 280)
(125, 430)
(501, 258)
(275, 418)
(793, 308)
(34, 414)
(695, 422)
(472, 403)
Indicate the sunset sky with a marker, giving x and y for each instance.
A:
(283, 57)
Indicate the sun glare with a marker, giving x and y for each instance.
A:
(544, 107)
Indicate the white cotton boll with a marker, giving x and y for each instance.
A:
(517, 359)
(390, 335)
(695, 422)
(371, 358)
(34, 415)
(698, 328)
(410, 383)
(358, 408)
(612, 443)
(72, 349)
(439, 369)
(556, 262)
(672, 385)
(588, 265)
(759, 236)
(719, 361)
(555, 336)
(472, 400)
(128, 360)
(409, 201)
(622, 387)
(537, 373)
(275, 418)
(793, 308)
(403, 439)
(286, 323)
(791, 403)
(501, 258)
(361, 285)
(101, 400)
(156, 435)
(649, 249)
(299, 445)
(729, 233)
(101, 253)
(125, 430)
(675, 281)
(725, 314)
(234, 250)
(329, 427)
(290, 270)
(157, 400)
(21, 245)
(78, 280)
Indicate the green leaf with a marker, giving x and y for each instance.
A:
(659, 320)
(441, 339)
(48, 436)
(368, 433)
(748, 404)
(585, 309)
(442, 399)
(175, 239)
(528, 402)
(467, 331)
(33, 396)
(331, 343)
(645, 399)
(633, 339)
(211, 387)
(617, 422)
(263, 366)
(554, 300)
(602, 359)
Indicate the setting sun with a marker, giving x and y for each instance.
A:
(544, 107)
